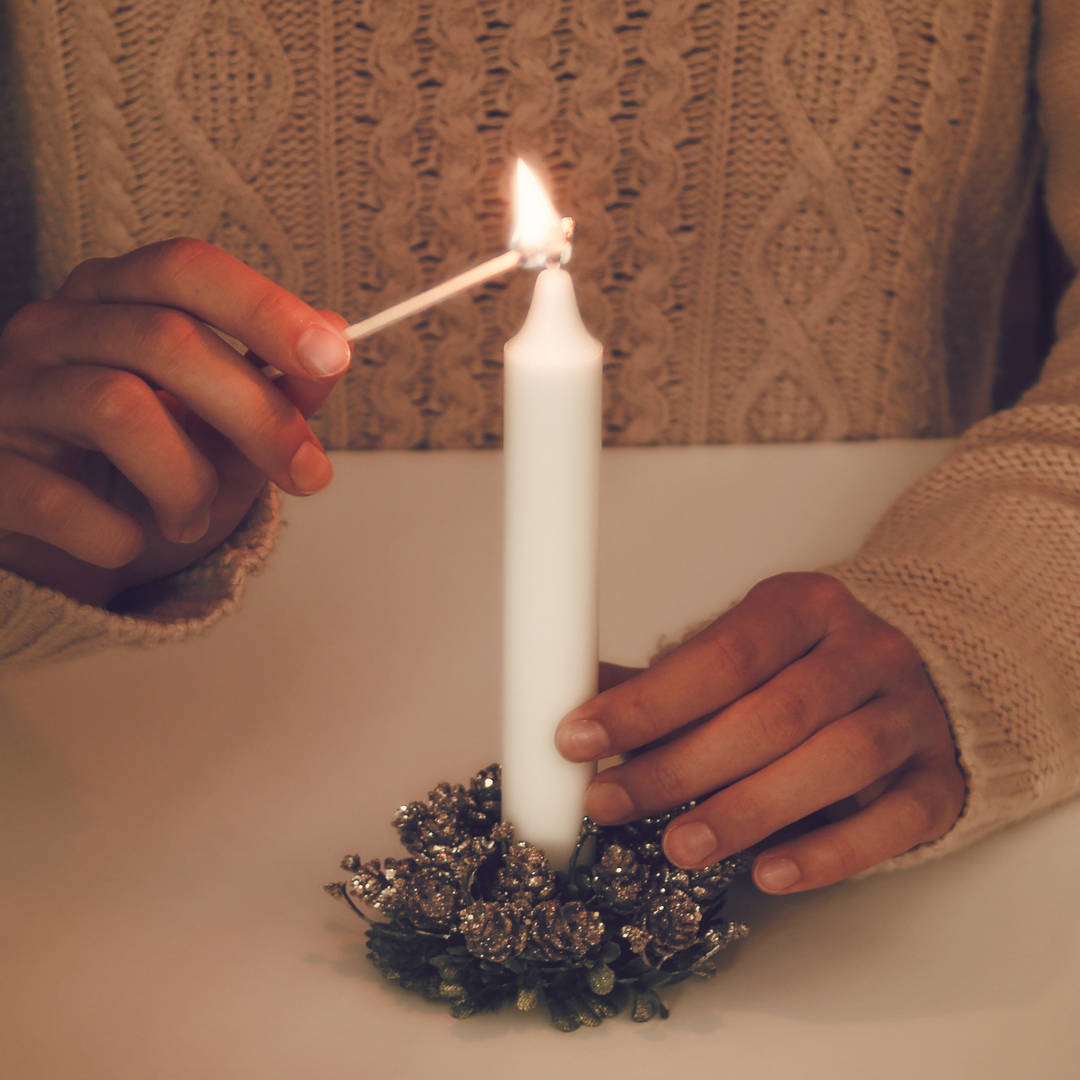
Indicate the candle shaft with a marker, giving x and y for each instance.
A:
(553, 384)
(429, 298)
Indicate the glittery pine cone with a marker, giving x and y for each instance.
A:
(476, 920)
(496, 932)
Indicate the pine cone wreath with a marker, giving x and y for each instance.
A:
(478, 920)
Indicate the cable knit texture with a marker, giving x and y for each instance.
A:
(795, 222)
(795, 215)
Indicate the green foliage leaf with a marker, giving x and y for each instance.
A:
(601, 979)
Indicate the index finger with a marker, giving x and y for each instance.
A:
(771, 628)
(218, 289)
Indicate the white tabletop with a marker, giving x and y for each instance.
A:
(168, 816)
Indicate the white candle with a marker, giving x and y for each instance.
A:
(552, 422)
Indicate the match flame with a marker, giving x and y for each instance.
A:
(539, 232)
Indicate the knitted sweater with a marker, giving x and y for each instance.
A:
(795, 222)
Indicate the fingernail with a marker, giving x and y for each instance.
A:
(581, 739)
(310, 469)
(689, 844)
(607, 802)
(776, 875)
(323, 352)
(196, 530)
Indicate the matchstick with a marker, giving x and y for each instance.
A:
(422, 301)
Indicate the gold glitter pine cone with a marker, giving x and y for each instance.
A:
(475, 919)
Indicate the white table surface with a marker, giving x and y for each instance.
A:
(168, 817)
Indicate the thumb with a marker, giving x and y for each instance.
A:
(306, 395)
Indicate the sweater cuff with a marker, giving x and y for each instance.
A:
(1002, 785)
(39, 624)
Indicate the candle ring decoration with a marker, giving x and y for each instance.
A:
(476, 919)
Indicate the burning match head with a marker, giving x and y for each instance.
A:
(539, 233)
(561, 255)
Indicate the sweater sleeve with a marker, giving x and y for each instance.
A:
(979, 562)
(39, 624)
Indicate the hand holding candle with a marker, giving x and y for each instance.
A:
(798, 701)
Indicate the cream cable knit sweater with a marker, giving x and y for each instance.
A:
(796, 217)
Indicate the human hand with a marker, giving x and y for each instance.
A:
(792, 702)
(133, 439)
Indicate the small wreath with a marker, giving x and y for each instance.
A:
(477, 920)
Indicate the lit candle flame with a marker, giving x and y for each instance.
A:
(539, 232)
